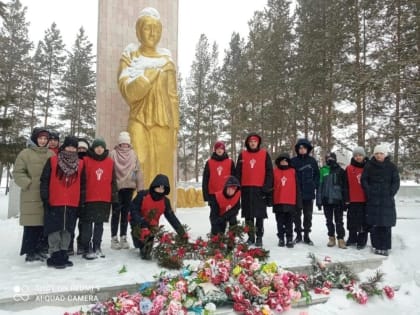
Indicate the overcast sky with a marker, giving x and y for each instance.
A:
(215, 18)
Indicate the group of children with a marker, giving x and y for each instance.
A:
(365, 189)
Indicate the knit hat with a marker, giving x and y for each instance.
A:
(219, 145)
(98, 142)
(69, 141)
(331, 156)
(54, 135)
(124, 137)
(381, 148)
(83, 143)
(281, 157)
(39, 132)
(359, 151)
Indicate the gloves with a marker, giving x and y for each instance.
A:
(319, 207)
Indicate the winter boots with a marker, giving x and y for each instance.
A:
(115, 244)
(341, 244)
(259, 242)
(298, 238)
(56, 260)
(331, 241)
(352, 240)
(307, 240)
(290, 243)
(123, 242)
(281, 242)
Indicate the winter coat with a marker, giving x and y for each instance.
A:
(136, 206)
(207, 172)
(59, 217)
(332, 186)
(254, 199)
(98, 211)
(307, 171)
(380, 182)
(27, 172)
(215, 217)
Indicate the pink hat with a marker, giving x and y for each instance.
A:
(219, 145)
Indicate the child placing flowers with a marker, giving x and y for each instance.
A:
(224, 207)
(146, 210)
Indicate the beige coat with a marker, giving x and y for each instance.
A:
(27, 172)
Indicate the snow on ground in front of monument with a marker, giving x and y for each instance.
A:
(401, 267)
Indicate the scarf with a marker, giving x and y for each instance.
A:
(68, 163)
(125, 162)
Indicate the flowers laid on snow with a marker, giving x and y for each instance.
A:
(224, 270)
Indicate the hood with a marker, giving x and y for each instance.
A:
(160, 180)
(282, 156)
(253, 134)
(304, 142)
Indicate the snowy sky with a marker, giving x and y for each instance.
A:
(215, 18)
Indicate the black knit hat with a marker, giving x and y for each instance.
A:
(69, 141)
(54, 135)
(281, 157)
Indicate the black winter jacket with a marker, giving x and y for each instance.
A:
(380, 181)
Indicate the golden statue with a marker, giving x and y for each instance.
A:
(147, 81)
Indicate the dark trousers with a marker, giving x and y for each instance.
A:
(220, 227)
(381, 237)
(256, 228)
(92, 234)
(32, 240)
(334, 213)
(120, 215)
(284, 225)
(307, 209)
(356, 224)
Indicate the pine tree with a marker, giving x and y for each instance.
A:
(79, 89)
(53, 57)
(14, 54)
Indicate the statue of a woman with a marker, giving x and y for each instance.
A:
(147, 81)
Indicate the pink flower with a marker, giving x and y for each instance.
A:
(389, 292)
(176, 295)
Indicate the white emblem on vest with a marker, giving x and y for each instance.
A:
(219, 170)
(359, 177)
(283, 181)
(253, 162)
(228, 207)
(99, 173)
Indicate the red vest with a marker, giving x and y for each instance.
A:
(98, 179)
(253, 168)
(284, 186)
(225, 204)
(60, 194)
(148, 205)
(354, 176)
(219, 171)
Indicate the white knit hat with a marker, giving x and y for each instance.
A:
(381, 148)
(124, 137)
(359, 151)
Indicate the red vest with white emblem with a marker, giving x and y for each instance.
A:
(354, 176)
(253, 168)
(151, 210)
(219, 171)
(61, 194)
(98, 179)
(284, 186)
(225, 204)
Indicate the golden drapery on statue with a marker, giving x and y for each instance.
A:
(147, 81)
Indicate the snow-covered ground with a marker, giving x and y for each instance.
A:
(401, 267)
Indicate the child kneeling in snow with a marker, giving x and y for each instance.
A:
(224, 207)
(146, 210)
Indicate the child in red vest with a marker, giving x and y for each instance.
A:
(61, 183)
(146, 210)
(224, 207)
(254, 170)
(286, 198)
(101, 191)
(216, 170)
(356, 200)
